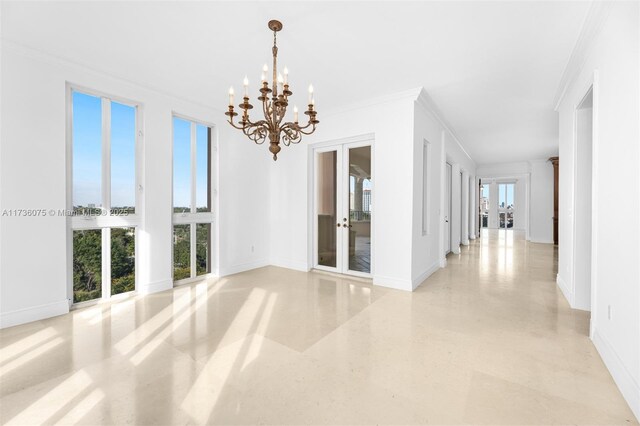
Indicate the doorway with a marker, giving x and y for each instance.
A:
(462, 209)
(343, 208)
(484, 205)
(447, 211)
(506, 205)
(583, 207)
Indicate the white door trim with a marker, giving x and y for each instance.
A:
(341, 147)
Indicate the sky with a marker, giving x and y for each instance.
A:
(182, 163)
(87, 152)
(87, 155)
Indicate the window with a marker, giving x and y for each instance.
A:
(103, 175)
(426, 147)
(192, 199)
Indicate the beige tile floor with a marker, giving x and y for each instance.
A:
(488, 340)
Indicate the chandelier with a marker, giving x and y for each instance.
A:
(275, 100)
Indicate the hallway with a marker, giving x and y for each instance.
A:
(489, 339)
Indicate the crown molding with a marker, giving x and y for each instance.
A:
(56, 60)
(410, 94)
(429, 106)
(591, 27)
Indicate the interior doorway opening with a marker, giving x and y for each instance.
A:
(583, 190)
(447, 210)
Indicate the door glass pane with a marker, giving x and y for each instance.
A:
(203, 248)
(87, 152)
(502, 219)
(326, 202)
(123, 158)
(359, 229)
(203, 169)
(510, 189)
(181, 166)
(87, 265)
(123, 260)
(509, 219)
(181, 252)
(502, 196)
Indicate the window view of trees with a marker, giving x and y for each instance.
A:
(123, 260)
(181, 252)
(87, 265)
(203, 235)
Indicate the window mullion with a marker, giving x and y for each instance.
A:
(106, 263)
(193, 167)
(192, 249)
(106, 154)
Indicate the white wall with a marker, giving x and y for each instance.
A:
(612, 51)
(402, 257)
(33, 274)
(427, 249)
(541, 202)
(390, 121)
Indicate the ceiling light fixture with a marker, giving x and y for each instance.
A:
(274, 108)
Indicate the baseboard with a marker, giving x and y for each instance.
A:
(443, 262)
(535, 240)
(565, 289)
(465, 243)
(628, 386)
(396, 283)
(472, 237)
(290, 264)
(426, 274)
(156, 286)
(235, 269)
(35, 313)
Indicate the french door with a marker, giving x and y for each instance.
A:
(506, 205)
(343, 208)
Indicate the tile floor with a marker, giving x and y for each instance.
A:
(488, 340)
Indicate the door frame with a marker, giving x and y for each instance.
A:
(591, 85)
(448, 199)
(342, 184)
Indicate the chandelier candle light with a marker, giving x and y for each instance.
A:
(274, 108)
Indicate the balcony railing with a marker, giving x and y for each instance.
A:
(359, 216)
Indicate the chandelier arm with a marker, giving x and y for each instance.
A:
(291, 134)
(257, 132)
(313, 129)
(230, 121)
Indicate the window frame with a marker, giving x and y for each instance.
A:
(193, 217)
(108, 220)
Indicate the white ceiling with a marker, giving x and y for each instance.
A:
(491, 67)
